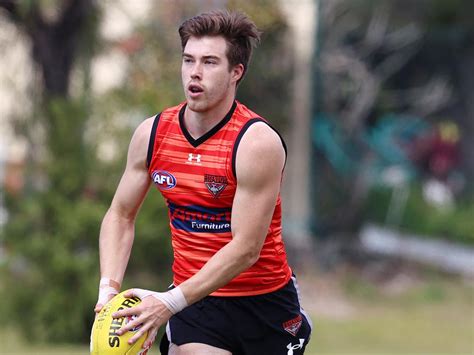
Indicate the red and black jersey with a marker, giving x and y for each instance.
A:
(198, 181)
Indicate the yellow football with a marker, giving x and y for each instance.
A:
(104, 337)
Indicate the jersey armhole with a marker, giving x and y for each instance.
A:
(151, 142)
(241, 134)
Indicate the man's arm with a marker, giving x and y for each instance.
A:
(117, 229)
(259, 163)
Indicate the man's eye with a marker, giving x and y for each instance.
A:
(187, 60)
(210, 62)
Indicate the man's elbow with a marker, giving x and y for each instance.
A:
(121, 215)
(250, 257)
(246, 250)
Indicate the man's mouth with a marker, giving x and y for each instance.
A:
(195, 89)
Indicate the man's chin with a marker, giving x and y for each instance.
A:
(196, 106)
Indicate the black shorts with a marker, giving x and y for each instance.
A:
(269, 324)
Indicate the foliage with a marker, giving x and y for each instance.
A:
(266, 88)
(421, 218)
(151, 256)
(51, 237)
(51, 244)
(378, 59)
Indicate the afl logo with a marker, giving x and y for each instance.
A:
(163, 179)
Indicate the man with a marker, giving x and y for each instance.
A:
(219, 167)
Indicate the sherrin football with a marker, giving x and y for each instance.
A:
(104, 337)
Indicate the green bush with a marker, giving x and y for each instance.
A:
(50, 273)
(419, 217)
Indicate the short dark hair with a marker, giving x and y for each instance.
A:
(239, 31)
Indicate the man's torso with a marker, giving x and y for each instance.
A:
(197, 179)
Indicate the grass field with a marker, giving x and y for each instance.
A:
(412, 314)
(352, 316)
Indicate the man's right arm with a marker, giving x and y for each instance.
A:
(118, 225)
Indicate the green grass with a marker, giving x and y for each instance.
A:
(12, 343)
(394, 332)
(436, 317)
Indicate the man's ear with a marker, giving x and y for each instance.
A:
(237, 72)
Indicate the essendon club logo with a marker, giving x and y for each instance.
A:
(215, 184)
(293, 325)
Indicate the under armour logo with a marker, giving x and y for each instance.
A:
(194, 158)
(292, 347)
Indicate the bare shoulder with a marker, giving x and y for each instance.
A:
(138, 148)
(142, 132)
(260, 152)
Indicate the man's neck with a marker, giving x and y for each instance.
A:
(199, 123)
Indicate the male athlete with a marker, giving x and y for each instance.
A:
(219, 167)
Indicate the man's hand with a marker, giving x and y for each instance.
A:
(151, 313)
(107, 290)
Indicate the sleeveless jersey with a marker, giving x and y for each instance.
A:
(198, 181)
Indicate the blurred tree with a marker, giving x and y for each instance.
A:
(266, 88)
(55, 32)
(364, 43)
(380, 57)
(51, 234)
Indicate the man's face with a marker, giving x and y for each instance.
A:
(207, 78)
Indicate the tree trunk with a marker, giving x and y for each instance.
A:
(54, 44)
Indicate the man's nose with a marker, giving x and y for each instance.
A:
(196, 71)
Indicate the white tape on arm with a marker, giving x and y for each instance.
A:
(107, 288)
(174, 299)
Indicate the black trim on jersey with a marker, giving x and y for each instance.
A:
(151, 142)
(241, 134)
(207, 135)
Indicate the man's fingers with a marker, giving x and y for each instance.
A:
(130, 293)
(139, 333)
(98, 307)
(132, 324)
(138, 292)
(106, 293)
(102, 301)
(150, 339)
(127, 312)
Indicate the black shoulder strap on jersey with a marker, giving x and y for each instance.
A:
(241, 134)
(151, 142)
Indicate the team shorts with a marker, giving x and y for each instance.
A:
(269, 324)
